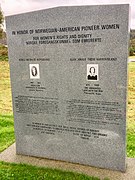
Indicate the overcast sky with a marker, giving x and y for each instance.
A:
(10, 7)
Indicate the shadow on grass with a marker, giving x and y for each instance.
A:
(24, 171)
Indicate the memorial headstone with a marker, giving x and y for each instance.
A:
(69, 83)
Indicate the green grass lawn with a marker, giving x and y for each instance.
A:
(11, 171)
(131, 111)
(6, 131)
(5, 89)
(6, 115)
(131, 57)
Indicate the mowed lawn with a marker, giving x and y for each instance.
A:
(12, 171)
(6, 114)
(131, 111)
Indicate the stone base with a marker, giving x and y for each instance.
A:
(9, 155)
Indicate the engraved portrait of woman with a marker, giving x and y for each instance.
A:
(92, 75)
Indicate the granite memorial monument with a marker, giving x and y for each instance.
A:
(68, 70)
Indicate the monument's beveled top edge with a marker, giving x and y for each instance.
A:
(57, 7)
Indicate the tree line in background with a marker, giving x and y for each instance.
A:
(3, 39)
(3, 49)
(2, 33)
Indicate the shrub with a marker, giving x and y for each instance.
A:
(132, 51)
(3, 50)
(3, 53)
